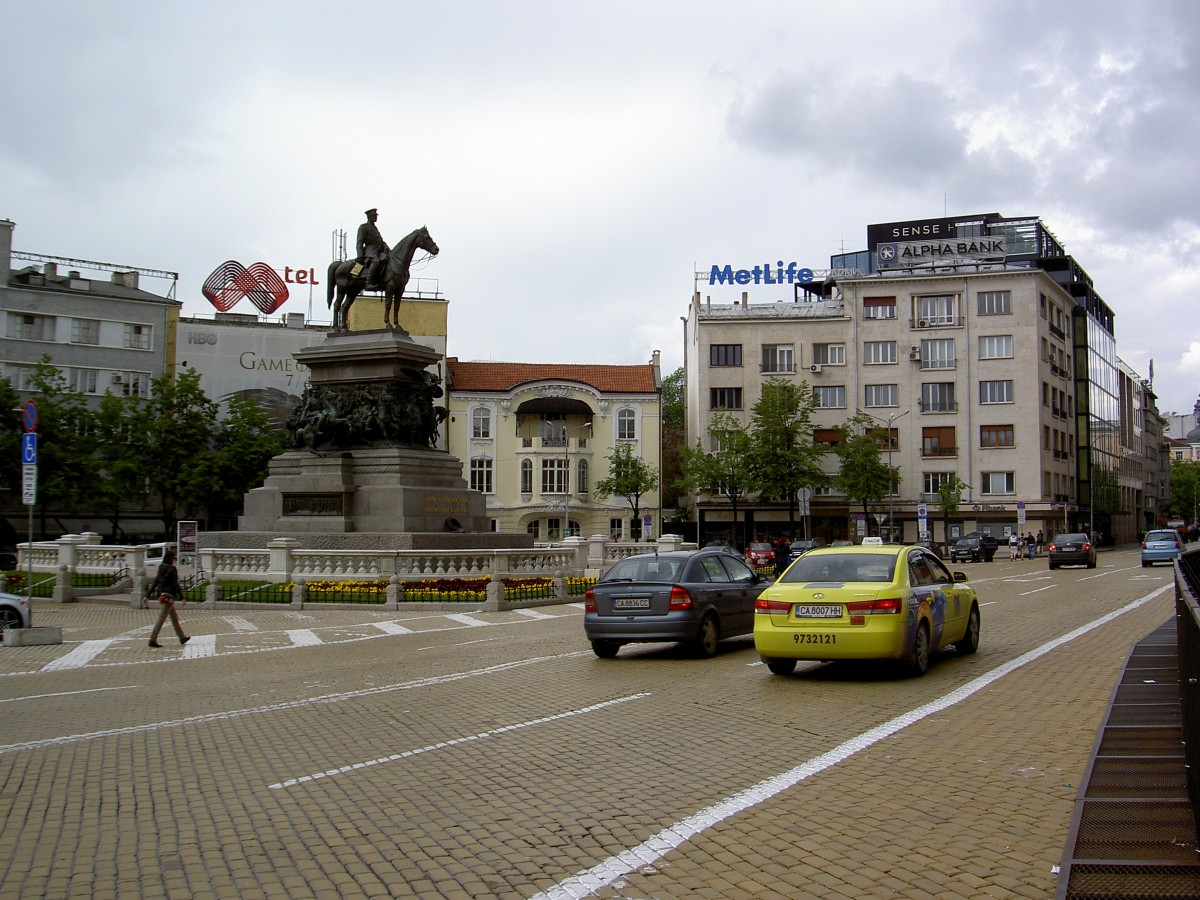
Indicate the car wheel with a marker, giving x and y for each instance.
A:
(918, 660)
(970, 641)
(9, 618)
(605, 649)
(1145, 564)
(781, 666)
(705, 643)
(1052, 566)
(1092, 564)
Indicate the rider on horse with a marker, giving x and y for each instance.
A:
(372, 250)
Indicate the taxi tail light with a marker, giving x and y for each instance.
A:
(762, 605)
(880, 605)
(680, 599)
(589, 601)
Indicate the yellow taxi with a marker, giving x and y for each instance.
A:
(868, 602)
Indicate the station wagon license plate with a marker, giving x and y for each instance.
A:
(631, 603)
(819, 611)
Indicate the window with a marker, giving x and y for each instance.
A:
(132, 384)
(85, 331)
(879, 307)
(931, 481)
(996, 346)
(936, 310)
(626, 425)
(481, 422)
(581, 477)
(886, 438)
(30, 328)
(554, 431)
(725, 355)
(534, 528)
(725, 398)
(878, 353)
(994, 303)
(778, 358)
(996, 436)
(615, 529)
(554, 476)
(481, 474)
(938, 442)
(938, 397)
(831, 397)
(881, 395)
(997, 483)
(937, 354)
(829, 354)
(996, 391)
(137, 337)
(827, 438)
(526, 476)
(82, 380)
(552, 529)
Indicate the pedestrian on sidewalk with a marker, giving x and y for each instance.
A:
(1014, 546)
(167, 588)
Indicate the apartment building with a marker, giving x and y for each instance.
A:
(535, 438)
(979, 347)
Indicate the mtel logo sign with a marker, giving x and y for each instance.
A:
(231, 281)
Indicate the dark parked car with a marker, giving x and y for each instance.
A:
(1075, 549)
(8, 560)
(14, 613)
(938, 550)
(806, 544)
(974, 548)
(694, 596)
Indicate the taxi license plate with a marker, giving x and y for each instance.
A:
(631, 603)
(819, 611)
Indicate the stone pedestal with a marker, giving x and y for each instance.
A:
(376, 488)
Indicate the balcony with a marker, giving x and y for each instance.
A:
(938, 452)
(938, 406)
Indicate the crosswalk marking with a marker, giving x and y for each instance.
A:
(533, 614)
(466, 620)
(392, 628)
(304, 637)
(240, 623)
(200, 646)
(79, 657)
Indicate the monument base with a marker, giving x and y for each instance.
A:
(374, 489)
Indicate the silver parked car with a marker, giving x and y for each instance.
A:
(694, 596)
(1161, 545)
(14, 613)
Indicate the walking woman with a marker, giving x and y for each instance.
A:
(166, 587)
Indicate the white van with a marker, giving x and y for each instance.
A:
(154, 556)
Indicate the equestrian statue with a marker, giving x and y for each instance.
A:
(376, 268)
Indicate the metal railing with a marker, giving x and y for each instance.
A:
(1187, 619)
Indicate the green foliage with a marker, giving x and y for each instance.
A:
(727, 468)
(783, 457)
(629, 476)
(67, 466)
(674, 437)
(949, 496)
(1185, 489)
(863, 475)
(10, 436)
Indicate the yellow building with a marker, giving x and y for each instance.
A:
(535, 438)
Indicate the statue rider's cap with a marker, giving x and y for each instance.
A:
(372, 211)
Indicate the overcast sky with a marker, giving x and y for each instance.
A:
(577, 161)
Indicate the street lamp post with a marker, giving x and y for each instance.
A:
(566, 432)
(891, 494)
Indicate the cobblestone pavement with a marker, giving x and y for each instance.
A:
(351, 753)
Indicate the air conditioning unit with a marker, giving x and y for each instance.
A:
(915, 354)
(923, 323)
(118, 379)
(815, 368)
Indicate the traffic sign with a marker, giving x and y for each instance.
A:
(29, 486)
(30, 416)
(29, 448)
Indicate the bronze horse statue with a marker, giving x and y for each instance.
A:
(395, 280)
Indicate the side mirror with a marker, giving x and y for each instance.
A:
(961, 576)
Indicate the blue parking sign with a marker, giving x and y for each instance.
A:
(29, 448)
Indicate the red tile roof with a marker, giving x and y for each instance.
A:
(503, 376)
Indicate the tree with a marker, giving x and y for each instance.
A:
(726, 469)
(783, 457)
(1185, 490)
(949, 495)
(629, 476)
(119, 457)
(863, 475)
(10, 436)
(177, 430)
(674, 437)
(67, 468)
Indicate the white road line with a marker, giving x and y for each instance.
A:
(603, 874)
(1037, 590)
(533, 614)
(392, 628)
(304, 637)
(288, 704)
(200, 646)
(126, 687)
(79, 657)
(240, 623)
(442, 745)
(464, 619)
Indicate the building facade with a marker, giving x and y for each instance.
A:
(536, 438)
(978, 347)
